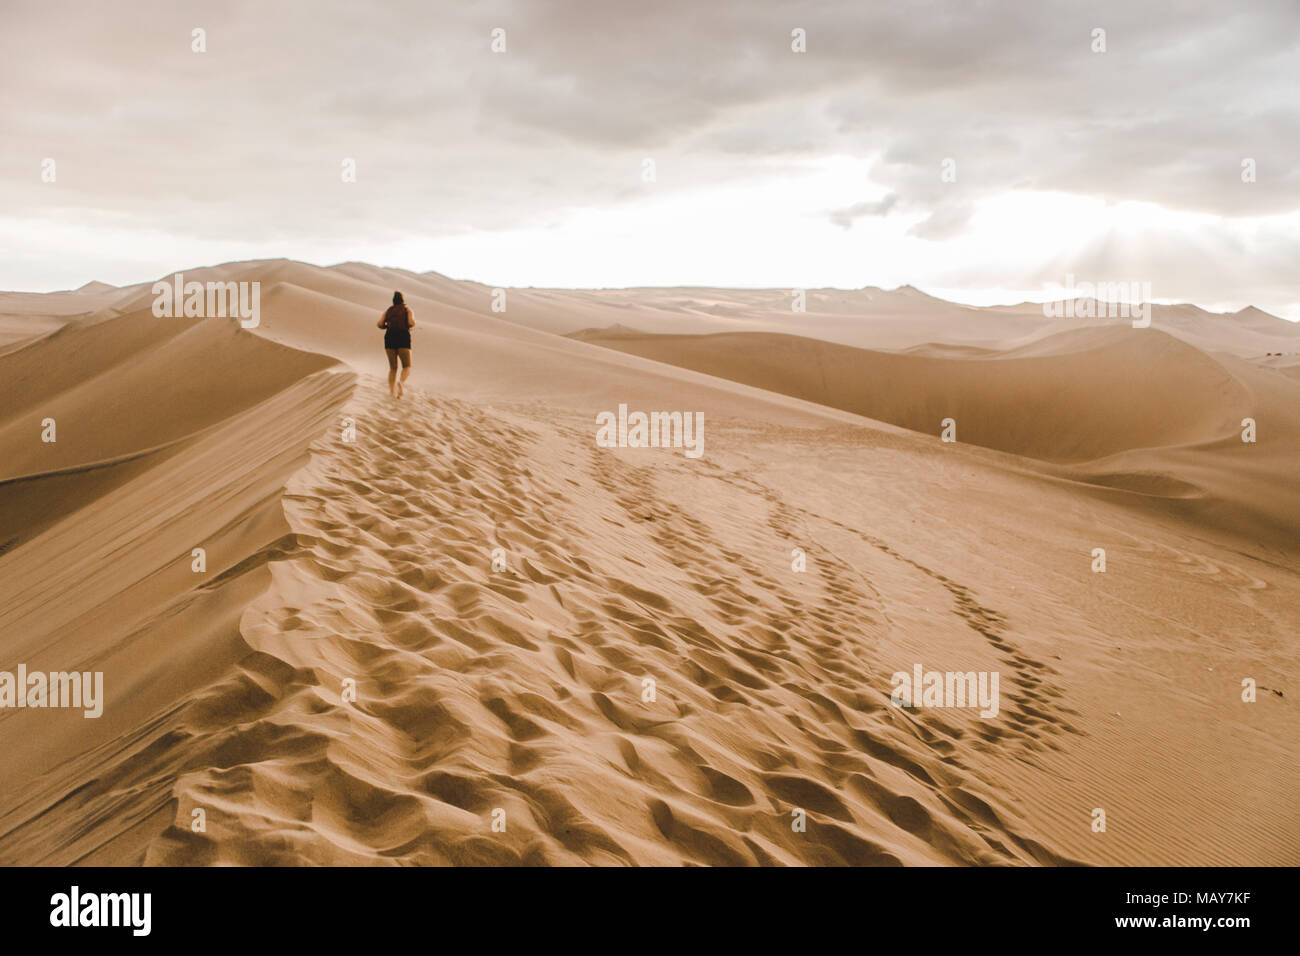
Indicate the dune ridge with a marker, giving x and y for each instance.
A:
(521, 689)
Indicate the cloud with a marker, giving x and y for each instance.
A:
(944, 223)
(880, 207)
(244, 142)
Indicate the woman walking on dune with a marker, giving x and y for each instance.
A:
(397, 324)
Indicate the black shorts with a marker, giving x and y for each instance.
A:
(397, 340)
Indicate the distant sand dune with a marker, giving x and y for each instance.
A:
(1134, 409)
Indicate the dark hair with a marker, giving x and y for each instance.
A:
(397, 299)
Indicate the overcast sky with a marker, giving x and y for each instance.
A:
(772, 168)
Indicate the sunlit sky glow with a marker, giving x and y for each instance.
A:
(772, 169)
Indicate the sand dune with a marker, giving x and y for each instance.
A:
(871, 318)
(1096, 393)
(499, 589)
(1136, 409)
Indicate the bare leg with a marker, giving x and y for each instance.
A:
(405, 355)
(392, 369)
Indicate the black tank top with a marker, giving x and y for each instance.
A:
(397, 334)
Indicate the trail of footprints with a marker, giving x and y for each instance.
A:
(1036, 701)
(521, 692)
(1036, 709)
